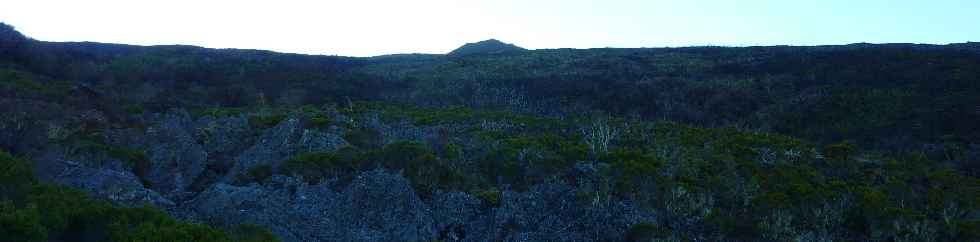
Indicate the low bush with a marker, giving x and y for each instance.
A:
(643, 232)
(364, 138)
(421, 166)
(255, 174)
(314, 167)
(491, 196)
(134, 108)
(320, 120)
(266, 120)
(16, 178)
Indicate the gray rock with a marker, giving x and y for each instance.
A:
(291, 215)
(376, 206)
(286, 139)
(550, 212)
(176, 159)
(384, 206)
(452, 210)
(223, 138)
(95, 173)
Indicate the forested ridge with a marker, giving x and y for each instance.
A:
(491, 142)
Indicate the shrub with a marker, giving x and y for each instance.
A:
(501, 167)
(63, 207)
(220, 112)
(633, 169)
(320, 120)
(19, 81)
(365, 138)
(490, 196)
(266, 120)
(840, 152)
(405, 155)
(316, 166)
(256, 174)
(134, 108)
(251, 233)
(20, 224)
(573, 151)
(309, 109)
(969, 230)
(420, 165)
(453, 152)
(16, 177)
(643, 232)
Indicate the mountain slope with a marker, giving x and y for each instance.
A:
(833, 143)
(926, 90)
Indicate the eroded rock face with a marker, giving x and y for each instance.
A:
(175, 158)
(551, 212)
(452, 212)
(376, 206)
(286, 139)
(381, 206)
(286, 207)
(98, 174)
(225, 137)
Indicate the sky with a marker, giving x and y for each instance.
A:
(376, 27)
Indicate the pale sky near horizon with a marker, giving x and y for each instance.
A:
(377, 27)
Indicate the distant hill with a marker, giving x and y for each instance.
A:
(491, 46)
(10, 40)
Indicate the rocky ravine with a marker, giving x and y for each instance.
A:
(192, 166)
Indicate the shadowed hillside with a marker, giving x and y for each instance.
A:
(861, 142)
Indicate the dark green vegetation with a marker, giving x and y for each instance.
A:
(721, 181)
(858, 142)
(859, 92)
(33, 211)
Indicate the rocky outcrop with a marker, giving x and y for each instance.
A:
(224, 137)
(286, 139)
(288, 208)
(175, 158)
(376, 206)
(453, 211)
(96, 173)
(551, 212)
(381, 206)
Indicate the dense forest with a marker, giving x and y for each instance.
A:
(491, 142)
